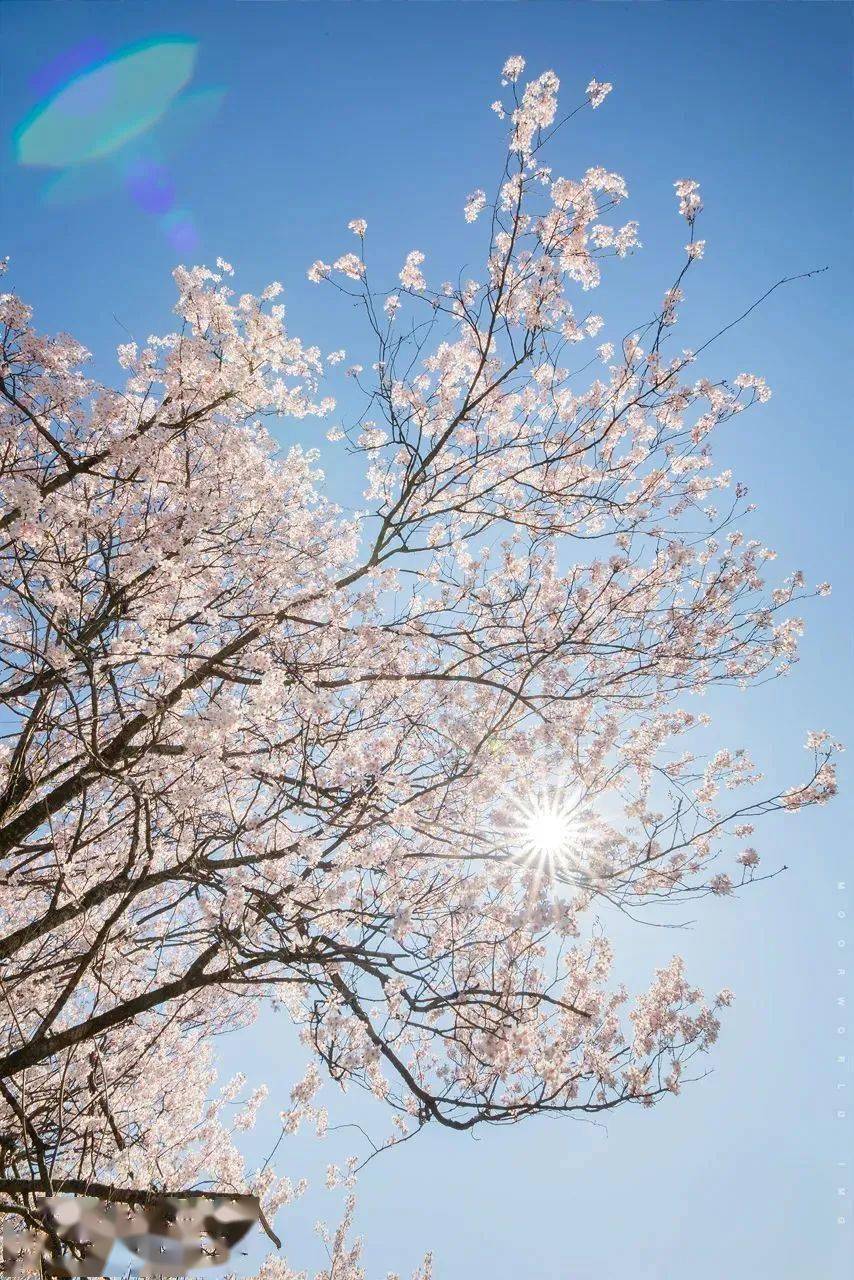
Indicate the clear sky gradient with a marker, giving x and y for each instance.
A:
(335, 111)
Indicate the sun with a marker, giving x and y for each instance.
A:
(547, 827)
(547, 832)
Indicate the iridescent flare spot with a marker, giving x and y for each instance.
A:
(106, 105)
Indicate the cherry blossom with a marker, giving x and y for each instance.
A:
(513, 68)
(690, 203)
(597, 92)
(381, 768)
(410, 274)
(475, 204)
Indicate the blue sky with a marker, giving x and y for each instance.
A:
(333, 111)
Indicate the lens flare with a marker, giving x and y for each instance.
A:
(110, 122)
(547, 832)
(546, 824)
(546, 827)
(106, 105)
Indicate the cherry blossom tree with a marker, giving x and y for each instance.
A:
(380, 768)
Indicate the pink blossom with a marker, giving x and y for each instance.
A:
(475, 204)
(513, 68)
(375, 768)
(597, 92)
(410, 274)
(690, 203)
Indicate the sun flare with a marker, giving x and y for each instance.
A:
(546, 831)
(547, 828)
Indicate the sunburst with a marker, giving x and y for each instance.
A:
(546, 830)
